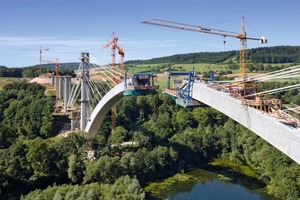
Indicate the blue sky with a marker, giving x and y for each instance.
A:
(68, 27)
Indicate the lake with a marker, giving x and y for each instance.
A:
(201, 184)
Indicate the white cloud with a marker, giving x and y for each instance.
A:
(69, 49)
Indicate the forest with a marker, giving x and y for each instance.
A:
(34, 71)
(270, 55)
(259, 59)
(36, 163)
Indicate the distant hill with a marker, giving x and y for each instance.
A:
(62, 66)
(277, 54)
(272, 55)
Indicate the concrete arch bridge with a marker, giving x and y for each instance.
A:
(277, 132)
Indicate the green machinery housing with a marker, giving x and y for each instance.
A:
(139, 84)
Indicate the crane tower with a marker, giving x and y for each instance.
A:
(242, 36)
(114, 45)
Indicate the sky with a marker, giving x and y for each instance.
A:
(69, 27)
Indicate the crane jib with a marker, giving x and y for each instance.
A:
(202, 29)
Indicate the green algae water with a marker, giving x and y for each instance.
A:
(200, 184)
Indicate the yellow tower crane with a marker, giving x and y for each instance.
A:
(242, 36)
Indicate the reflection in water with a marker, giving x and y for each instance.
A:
(202, 184)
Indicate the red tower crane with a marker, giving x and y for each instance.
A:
(114, 45)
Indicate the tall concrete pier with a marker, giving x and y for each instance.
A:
(85, 92)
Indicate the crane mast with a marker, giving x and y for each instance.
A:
(41, 52)
(243, 51)
(114, 45)
(242, 36)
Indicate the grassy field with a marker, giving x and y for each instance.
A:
(50, 90)
(161, 80)
(159, 69)
(200, 68)
(6, 80)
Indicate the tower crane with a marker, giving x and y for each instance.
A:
(114, 45)
(41, 52)
(57, 64)
(242, 36)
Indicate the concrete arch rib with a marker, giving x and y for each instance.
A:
(102, 108)
(281, 136)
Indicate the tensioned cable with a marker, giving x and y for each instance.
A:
(283, 73)
(282, 89)
(106, 64)
(108, 77)
(279, 74)
(99, 81)
(112, 69)
(274, 72)
(90, 83)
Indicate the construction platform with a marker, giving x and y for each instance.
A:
(267, 106)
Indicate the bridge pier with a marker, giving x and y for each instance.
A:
(85, 92)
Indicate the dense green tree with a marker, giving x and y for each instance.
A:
(13, 162)
(7, 136)
(118, 136)
(37, 157)
(26, 109)
(141, 138)
(105, 169)
(76, 168)
(160, 125)
(125, 188)
(169, 139)
(182, 119)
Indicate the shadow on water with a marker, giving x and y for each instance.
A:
(213, 182)
(237, 178)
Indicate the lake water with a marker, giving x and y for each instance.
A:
(205, 185)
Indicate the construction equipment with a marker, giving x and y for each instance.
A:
(57, 63)
(244, 85)
(41, 52)
(114, 44)
(139, 84)
(181, 93)
(242, 36)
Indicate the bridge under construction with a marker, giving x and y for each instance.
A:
(265, 117)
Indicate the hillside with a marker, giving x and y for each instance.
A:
(62, 66)
(264, 55)
(277, 54)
